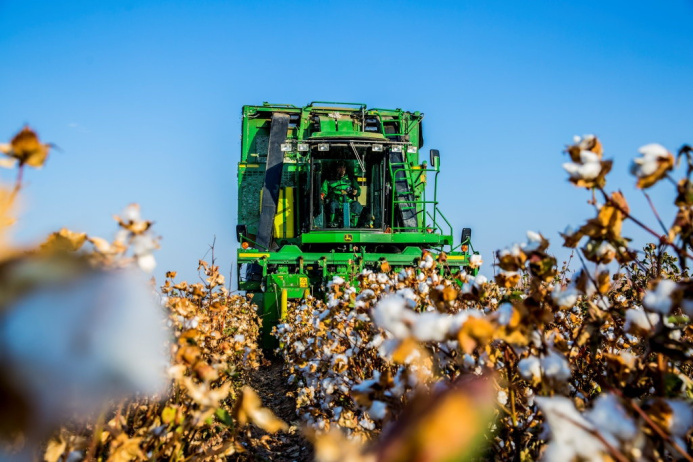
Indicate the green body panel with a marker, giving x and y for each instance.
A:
(354, 237)
(382, 147)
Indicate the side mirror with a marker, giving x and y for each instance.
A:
(466, 235)
(435, 159)
(241, 231)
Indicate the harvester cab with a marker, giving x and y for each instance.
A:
(330, 189)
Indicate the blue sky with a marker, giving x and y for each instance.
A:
(144, 98)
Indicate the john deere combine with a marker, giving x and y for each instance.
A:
(329, 190)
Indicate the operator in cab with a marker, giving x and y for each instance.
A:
(337, 192)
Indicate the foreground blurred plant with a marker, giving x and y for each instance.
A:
(81, 335)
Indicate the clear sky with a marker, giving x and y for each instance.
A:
(144, 99)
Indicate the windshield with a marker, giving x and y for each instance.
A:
(348, 191)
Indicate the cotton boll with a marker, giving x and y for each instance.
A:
(570, 436)
(431, 326)
(95, 339)
(367, 424)
(611, 419)
(480, 279)
(530, 368)
(144, 244)
(423, 288)
(131, 213)
(564, 298)
(652, 155)
(475, 261)
(682, 417)
(377, 410)
(505, 314)
(146, 262)
(389, 314)
(556, 366)
(638, 319)
(659, 300)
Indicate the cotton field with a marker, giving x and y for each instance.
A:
(588, 361)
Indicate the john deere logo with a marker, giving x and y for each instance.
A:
(348, 238)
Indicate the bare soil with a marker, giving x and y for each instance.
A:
(271, 384)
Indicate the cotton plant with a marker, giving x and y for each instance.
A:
(114, 372)
(540, 362)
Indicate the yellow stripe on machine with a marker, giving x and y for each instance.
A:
(284, 218)
(456, 257)
(253, 255)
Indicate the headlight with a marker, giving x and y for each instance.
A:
(396, 148)
(303, 147)
(377, 147)
(323, 147)
(411, 149)
(286, 147)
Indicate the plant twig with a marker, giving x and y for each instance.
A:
(18, 182)
(657, 429)
(662, 238)
(654, 210)
(613, 452)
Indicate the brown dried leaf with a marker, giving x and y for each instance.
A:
(664, 164)
(475, 331)
(55, 449)
(64, 241)
(248, 409)
(27, 149)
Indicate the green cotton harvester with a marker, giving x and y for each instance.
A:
(329, 190)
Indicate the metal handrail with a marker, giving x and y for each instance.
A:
(436, 211)
(361, 105)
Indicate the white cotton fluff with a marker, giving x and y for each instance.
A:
(505, 314)
(502, 397)
(659, 300)
(409, 296)
(637, 317)
(475, 261)
(564, 298)
(377, 410)
(423, 288)
(588, 168)
(611, 419)
(143, 244)
(390, 314)
(530, 368)
(605, 249)
(682, 417)
(146, 262)
(570, 438)
(427, 262)
(382, 278)
(131, 213)
(480, 279)
(646, 165)
(96, 339)
(431, 326)
(555, 366)
(367, 424)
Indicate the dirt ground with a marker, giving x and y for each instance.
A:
(270, 383)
